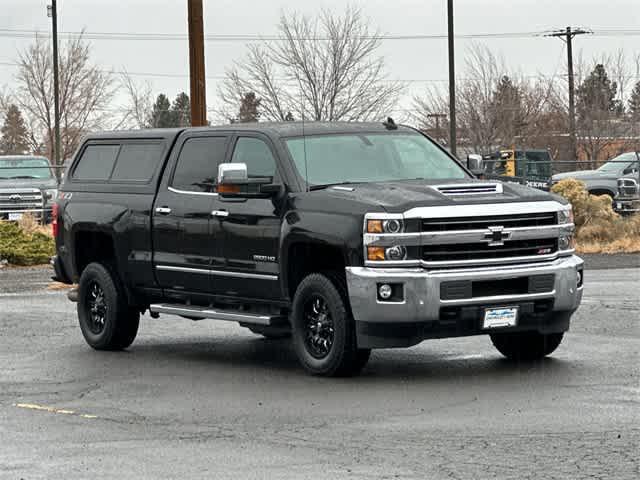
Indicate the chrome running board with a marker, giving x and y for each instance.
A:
(200, 313)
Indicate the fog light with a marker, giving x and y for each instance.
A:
(395, 253)
(385, 291)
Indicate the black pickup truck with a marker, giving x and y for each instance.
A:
(344, 236)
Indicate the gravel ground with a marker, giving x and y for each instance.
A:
(210, 400)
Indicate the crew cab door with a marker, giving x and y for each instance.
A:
(184, 239)
(249, 265)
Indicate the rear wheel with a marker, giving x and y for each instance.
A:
(106, 320)
(323, 329)
(526, 345)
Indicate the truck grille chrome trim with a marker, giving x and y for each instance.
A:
(448, 236)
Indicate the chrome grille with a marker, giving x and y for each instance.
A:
(628, 187)
(481, 251)
(20, 199)
(483, 222)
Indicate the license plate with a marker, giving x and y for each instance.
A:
(15, 216)
(500, 317)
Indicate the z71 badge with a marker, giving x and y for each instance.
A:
(264, 258)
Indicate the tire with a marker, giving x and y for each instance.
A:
(527, 345)
(323, 329)
(106, 320)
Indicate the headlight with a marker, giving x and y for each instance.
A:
(395, 253)
(50, 194)
(565, 216)
(392, 225)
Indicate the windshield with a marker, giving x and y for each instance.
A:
(618, 163)
(24, 168)
(357, 158)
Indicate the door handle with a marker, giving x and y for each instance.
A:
(163, 210)
(220, 213)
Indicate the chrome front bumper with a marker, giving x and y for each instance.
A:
(422, 299)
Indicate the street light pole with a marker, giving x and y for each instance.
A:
(452, 81)
(53, 12)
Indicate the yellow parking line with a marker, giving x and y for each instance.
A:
(45, 408)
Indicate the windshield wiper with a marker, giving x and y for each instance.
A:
(322, 186)
(22, 176)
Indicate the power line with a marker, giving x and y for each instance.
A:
(132, 36)
(222, 77)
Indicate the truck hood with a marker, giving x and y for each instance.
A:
(396, 197)
(41, 183)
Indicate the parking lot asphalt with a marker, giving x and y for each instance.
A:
(211, 400)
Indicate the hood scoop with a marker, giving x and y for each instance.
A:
(462, 189)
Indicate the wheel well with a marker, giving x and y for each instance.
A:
(306, 258)
(91, 247)
(598, 192)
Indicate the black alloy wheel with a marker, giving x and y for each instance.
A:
(320, 330)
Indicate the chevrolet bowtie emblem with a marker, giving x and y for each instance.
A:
(496, 236)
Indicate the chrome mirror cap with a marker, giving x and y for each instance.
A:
(232, 173)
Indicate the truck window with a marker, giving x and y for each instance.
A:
(257, 155)
(138, 162)
(96, 162)
(198, 162)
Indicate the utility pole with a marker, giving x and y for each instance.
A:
(567, 36)
(437, 116)
(52, 11)
(452, 81)
(196, 64)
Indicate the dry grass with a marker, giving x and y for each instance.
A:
(29, 225)
(598, 228)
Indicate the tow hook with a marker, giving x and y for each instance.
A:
(73, 295)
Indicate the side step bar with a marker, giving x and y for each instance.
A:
(206, 312)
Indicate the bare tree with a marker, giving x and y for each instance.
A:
(323, 68)
(494, 106)
(85, 91)
(139, 103)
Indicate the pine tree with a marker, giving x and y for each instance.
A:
(249, 108)
(181, 110)
(508, 110)
(634, 102)
(161, 114)
(597, 95)
(13, 135)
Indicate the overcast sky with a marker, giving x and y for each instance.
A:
(406, 60)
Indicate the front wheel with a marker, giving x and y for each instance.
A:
(323, 329)
(106, 320)
(526, 345)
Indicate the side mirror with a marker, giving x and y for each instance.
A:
(475, 164)
(234, 182)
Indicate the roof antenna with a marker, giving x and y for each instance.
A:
(390, 124)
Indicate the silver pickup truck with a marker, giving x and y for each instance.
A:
(604, 180)
(27, 185)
